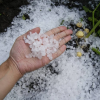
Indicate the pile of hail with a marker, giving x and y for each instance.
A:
(41, 45)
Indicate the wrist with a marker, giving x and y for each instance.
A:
(8, 81)
(13, 68)
(4, 69)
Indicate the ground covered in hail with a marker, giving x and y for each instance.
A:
(65, 78)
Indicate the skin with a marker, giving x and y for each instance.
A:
(17, 64)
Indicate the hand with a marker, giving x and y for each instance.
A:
(20, 49)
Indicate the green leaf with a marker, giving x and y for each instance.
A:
(87, 9)
(90, 19)
(62, 22)
(23, 17)
(96, 51)
(0, 14)
(49, 9)
(95, 20)
(81, 19)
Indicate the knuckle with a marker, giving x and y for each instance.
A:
(53, 30)
(58, 36)
(59, 28)
(43, 62)
(55, 55)
(64, 33)
(60, 44)
(64, 40)
(60, 52)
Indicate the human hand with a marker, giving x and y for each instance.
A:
(20, 49)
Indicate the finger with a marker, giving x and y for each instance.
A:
(63, 34)
(59, 52)
(45, 60)
(64, 40)
(37, 30)
(56, 30)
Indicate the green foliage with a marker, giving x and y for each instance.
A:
(96, 51)
(49, 9)
(90, 19)
(23, 17)
(96, 25)
(87, 9)
(0, 14)
(62, 22)
(93, 19)
(81, 19)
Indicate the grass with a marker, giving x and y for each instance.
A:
(95, 13)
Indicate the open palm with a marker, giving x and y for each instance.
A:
(20, 49)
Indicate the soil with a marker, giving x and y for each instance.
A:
(8, 10)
